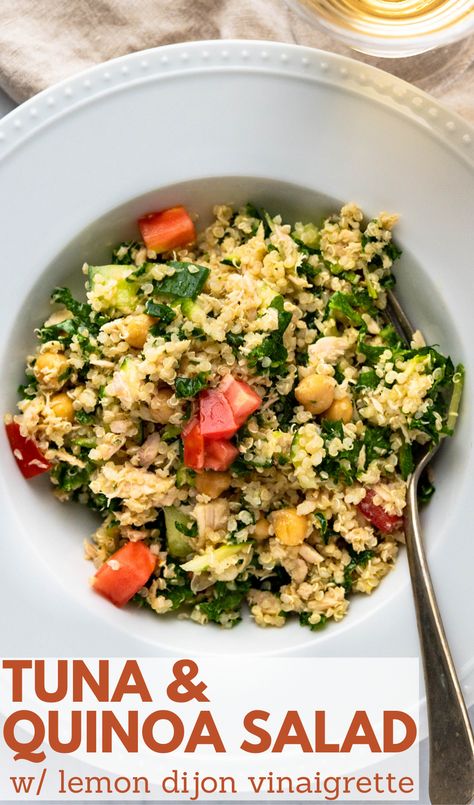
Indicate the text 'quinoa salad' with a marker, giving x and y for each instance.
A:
(239, 413)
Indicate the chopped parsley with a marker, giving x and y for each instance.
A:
(186, 387)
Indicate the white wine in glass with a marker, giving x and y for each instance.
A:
(392, 27)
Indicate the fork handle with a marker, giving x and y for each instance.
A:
(451, 775)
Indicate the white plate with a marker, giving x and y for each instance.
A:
(295, 129)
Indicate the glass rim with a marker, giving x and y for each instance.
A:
(389, 46)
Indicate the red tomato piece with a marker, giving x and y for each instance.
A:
(215, 415)
(168, 229)
(243, 400)
(26, 452)
(376, 514)
(124, 573)
(219, 455)
(193, 443)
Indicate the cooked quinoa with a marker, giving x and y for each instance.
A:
(297, 313)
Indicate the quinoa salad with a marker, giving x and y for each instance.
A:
(239, 413)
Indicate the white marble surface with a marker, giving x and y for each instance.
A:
(6, 105)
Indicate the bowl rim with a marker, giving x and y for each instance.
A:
(234, 55)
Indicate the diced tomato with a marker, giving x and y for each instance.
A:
(243, 400)
(124, 573)
(215, 415)
(26, 452)
(219, 455)
(376, 514)
(193, 443)
(167, 229)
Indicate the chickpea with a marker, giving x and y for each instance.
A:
(212, 483)
(61, 406)
(340, 409)
(290, 528)
(160, 407)
(50, 368)
(316, 393)
(262, 528)
(137, 327)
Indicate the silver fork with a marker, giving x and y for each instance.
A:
(451, 774)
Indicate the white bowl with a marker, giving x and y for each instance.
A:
(299, 131)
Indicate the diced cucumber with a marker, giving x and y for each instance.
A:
(170, 433)
(266, 295)
(112, 289)
(184, 476)
(193, 311)
(179, 545)
(85, 442)
(294, 446)
(217, 558)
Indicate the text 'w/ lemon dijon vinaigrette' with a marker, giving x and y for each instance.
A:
(392, 27)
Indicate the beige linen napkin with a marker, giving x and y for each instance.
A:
(43, 41)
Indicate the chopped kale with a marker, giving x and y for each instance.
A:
(84, 323)
(301, 357)
(80, 310)
(70, 478)
(164, 313)
(123, 254)
(342, 305)
(377, 442)
(140, 601)
(284, 316)
(179, 596)
(84, 417)
(225, 598)
(235, 340)
(323, 525)
(343, 466)
(279, 578)
(231, 261)
(178, 590)
(261, 216)
(240, 466)
(272, 350)
(372, 353)
(357, 559)
(62, 332)
(390, 336)
(367, 379)
(283, 409)
(405, 460)
(101, 503)
(187, 281)
(29, 389)
(305, 269)
(439, 393)
(392, 251)
(190, 386)
(388, 282)
(315, 627)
